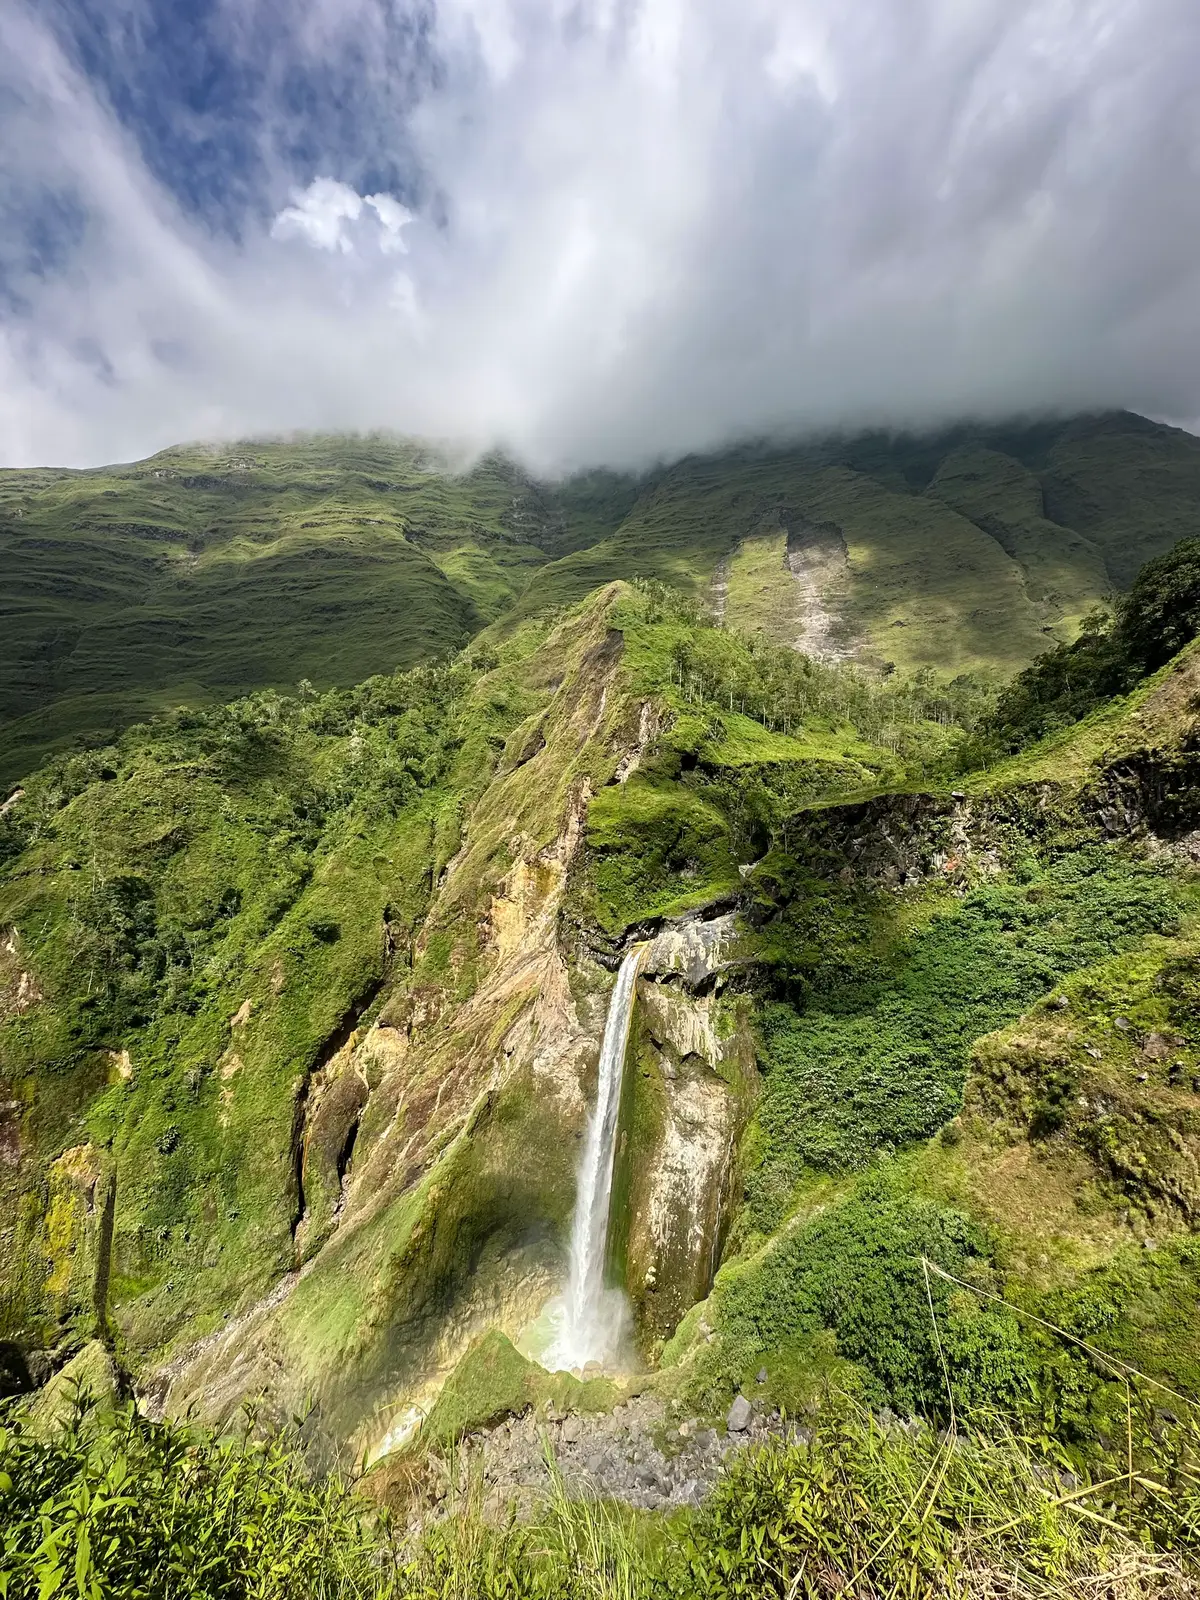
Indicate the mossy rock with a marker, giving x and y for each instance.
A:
(89, 1382)
(494, 1381)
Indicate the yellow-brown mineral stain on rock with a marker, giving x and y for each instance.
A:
(228, 1068)
(122, 1066)
(450, 1185)
(73, 1180)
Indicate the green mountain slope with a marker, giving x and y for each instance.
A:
(302, 995)
(198, 574)
(967, 551)
(201, 574)
(300, 1000)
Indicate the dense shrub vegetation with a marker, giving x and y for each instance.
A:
(1152, 623)
(132, 1509)
(869, 1051)
(147, 1512)
(917, 717)
(870, 1511)
(168, 880)
(249, 795)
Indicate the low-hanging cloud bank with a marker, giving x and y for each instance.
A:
(606, 230)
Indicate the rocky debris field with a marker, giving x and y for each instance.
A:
(637, 1453)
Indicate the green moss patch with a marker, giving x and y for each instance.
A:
(656, 850)
(493, 1381)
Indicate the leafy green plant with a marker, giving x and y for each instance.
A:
(887, 1512)
(141, 1510)
(856, 1270)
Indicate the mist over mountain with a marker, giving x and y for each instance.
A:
(600, 815)
(205, 572)
(590, 234)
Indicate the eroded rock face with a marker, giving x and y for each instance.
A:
(694, 952)
(689, 1085)
(19, 987)
(436, 1149)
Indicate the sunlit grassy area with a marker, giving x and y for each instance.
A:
(208, 572)
(133, 1509)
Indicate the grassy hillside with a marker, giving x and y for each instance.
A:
(204, 573)
(207, 917)
(199, 574)
(1014, 969)
(969, 551)
(299, 1004)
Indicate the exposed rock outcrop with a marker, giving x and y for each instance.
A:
(639, 1452)
(689, 1086)
(439, 1144)
(88, 1381)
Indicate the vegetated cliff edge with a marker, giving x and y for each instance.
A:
(340, 1127)
(303, 1000)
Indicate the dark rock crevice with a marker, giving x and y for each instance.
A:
(333, 1046)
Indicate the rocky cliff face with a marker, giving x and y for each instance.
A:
(436, 1147)
(689, 1087)
(364, 1153)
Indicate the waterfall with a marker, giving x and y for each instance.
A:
(590, 1318)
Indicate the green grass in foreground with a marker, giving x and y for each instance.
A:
(137, 1509)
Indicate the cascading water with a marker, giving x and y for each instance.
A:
(590, 1319)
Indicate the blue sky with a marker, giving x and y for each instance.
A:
(226, 110)
(589, 230)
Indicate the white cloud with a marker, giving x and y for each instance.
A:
(393, 219)
(644, 226)
(319, 214)
(323, 215)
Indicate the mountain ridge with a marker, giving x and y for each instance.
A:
(367, 937)
(203, 573)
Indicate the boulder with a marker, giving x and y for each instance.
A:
(739, 1416)
(88, 1382)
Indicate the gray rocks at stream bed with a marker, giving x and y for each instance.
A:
(637, 1453)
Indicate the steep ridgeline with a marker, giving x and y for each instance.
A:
(315, 987)
(303, 1002)
(203, 573)
(967, 551)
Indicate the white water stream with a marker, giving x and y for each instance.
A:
(589, 1320)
